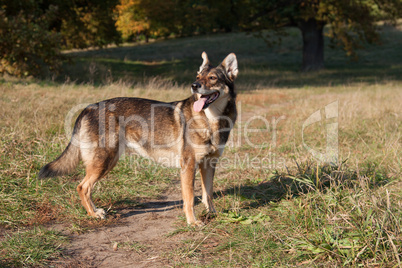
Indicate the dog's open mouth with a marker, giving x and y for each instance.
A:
(204, 101)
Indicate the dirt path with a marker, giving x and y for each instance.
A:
(141, 237)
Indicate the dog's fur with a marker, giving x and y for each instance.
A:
(190, 133)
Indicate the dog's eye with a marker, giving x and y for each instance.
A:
(213, 78)
(198, 77)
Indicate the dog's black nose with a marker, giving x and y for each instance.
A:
(195, 86)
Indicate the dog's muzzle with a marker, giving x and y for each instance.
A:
(195, 87)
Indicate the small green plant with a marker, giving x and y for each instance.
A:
(233, 217)
(133, 246)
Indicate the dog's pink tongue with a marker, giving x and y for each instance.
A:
(199, 104)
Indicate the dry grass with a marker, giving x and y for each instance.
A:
(369, 142)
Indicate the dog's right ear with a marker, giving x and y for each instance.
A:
(230, 65)
(205, 63)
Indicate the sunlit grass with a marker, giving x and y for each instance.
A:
(30, 248)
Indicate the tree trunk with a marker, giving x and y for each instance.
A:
(313, 44)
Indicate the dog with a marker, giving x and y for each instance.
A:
(186, 134)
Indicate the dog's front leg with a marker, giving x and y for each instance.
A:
(187, 177)
(207, 168)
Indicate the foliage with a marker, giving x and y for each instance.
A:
(179, 18)
(81, 23)
(131, 19)
(26, 43)
(87, 23)
(233, 217)
(351, 23)
(33, 32)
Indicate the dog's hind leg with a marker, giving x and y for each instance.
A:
(84, 189)
(207, 169)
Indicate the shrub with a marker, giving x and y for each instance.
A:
(27, 45)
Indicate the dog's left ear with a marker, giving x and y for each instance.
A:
(205, 62)
(230, 65)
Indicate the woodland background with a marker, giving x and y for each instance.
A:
(32, 33)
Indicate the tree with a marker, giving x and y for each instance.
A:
(131, 20)
(32, 33)
(27, 46)
(163, 18)
(86, 23)
(351, 22)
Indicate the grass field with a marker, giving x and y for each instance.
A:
(277, 205)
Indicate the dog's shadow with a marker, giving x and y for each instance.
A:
(254, 195)
(151, 207)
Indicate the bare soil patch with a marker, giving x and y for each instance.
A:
(139, 239)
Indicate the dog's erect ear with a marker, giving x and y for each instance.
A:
(230, 65)
(205, 63)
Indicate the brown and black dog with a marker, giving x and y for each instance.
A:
(186, 134)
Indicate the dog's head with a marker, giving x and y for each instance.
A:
(214, 83)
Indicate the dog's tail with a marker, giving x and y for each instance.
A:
(63, 165)
(68, 160)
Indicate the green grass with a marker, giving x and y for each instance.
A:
(275, 66)
(347, 220)
(35, 247)
(286, 211)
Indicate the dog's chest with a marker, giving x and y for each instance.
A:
(213, 136)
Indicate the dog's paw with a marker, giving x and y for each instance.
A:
(198, 223)
(100, 213)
